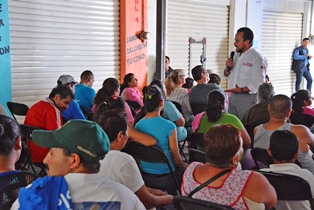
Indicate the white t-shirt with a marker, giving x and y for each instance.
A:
(88, 190)
(293, 169)
(121, 167)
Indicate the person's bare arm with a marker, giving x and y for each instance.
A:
(255, 130)
(151, 200)
(304, 135)
(142, 138)
(180, 121)
(266, 193)
(246, 138)
(173, 144)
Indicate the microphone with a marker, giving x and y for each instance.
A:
(231, 56)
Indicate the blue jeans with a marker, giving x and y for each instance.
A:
(307, 75)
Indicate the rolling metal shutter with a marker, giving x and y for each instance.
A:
(54, 37)
(198, 19)
(281, 33)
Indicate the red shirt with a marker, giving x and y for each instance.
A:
(45, 115)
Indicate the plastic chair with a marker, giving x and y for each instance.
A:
(196, 155)
(10, 186)
(88, 115)
(250, 131)
(26, 133)
(289, 187)
(196, 140)
(198, 108)
(18, 109)
(188, 128)
(187, 203)
(261, 158)
(136, 106)
(303, 119)
(152, 154)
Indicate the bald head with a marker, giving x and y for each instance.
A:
(279, 106)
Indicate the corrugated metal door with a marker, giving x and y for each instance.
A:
(54, 37)
(188, 18)
(282, 32)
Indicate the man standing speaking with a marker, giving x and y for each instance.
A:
(245, 73)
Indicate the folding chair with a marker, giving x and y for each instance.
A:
(152, 154)
(250, 131)
(26, 133)
(10, 186)
(196, 140)
(18, 109)
(88, 115)
(187, 203)
(261, 158)
(188, 129)
(303, 119)
(134, 105)
(198, 108)
(289, 187)
(196, 155)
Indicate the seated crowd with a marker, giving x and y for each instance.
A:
(82, 137)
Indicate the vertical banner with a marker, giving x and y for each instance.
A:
(5, 62)
(133, 51)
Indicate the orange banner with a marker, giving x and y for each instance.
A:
(133, 51)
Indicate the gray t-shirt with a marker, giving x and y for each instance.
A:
(199, 92)
(261, 140)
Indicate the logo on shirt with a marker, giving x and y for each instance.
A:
(248, 64)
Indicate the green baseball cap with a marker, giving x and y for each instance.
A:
(82, 137)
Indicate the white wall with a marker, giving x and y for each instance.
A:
(242, 13)
(151, 43)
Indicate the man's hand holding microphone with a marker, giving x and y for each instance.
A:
(229, 64)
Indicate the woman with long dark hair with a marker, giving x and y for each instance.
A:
(157, 175)
(301, 102)
(111, 87)
(215, 114)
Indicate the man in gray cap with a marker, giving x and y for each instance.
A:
(73, 163)
(73, 111)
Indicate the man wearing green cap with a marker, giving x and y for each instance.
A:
(75, 151)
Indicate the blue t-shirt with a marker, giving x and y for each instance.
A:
(9, 173)
(49, 192)
(173, 114)
(74, 111)
(84, 96)
(161, 130)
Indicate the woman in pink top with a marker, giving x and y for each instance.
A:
(129, 89)
(240, 189)
(302, 100)
(109, 88)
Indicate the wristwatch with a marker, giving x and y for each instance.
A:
(241, 91)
